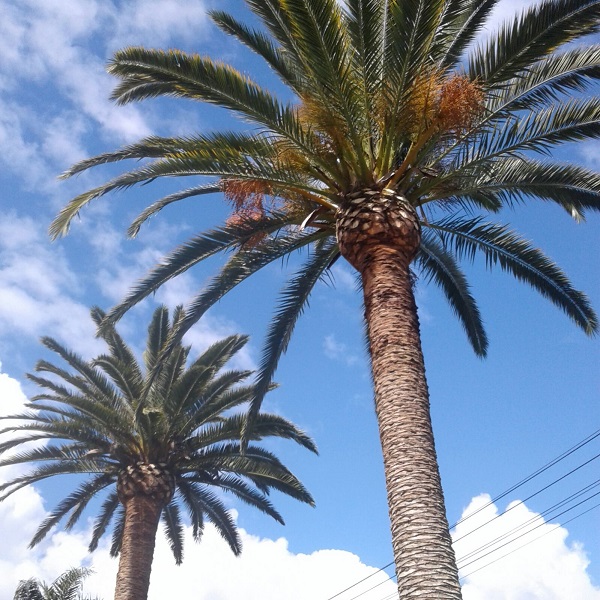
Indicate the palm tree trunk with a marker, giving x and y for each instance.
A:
(142, 514)
(381, 243)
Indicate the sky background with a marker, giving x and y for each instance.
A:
(496, 421)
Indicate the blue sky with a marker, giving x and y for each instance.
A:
(496, 421)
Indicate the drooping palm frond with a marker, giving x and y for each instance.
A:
(439, 265)
(499, 245)
(294, 299)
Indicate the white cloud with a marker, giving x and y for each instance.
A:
(339, 351)
(159, 21)
(38, 288)
(546, 569)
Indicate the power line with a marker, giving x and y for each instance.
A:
(523, 534)
(363, 579)
(516, 486)
(524, 500)
(527, 479)
(394, 596)
(531, 541)
(535, 518)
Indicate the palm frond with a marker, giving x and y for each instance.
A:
(118, 530)
(439, 266)
(218, 515)
(190, 494)
(538, 31)
(462, 21)
(173, 530)
(194, 251)
(242, 265)
(261, 44)
(501, 246)
(293, 300)
(77, 501)
(103, 519)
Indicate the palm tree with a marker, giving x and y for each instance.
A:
(65, 587)
(402, 134)
(154, 443)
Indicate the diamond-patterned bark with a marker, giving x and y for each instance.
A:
(375, 219)
(146, 479)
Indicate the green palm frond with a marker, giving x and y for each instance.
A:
(538, 31)
(540, 132)
(242, 265)
(501, 246)
(438, 265)
(103, 519)
(118, 530)
(173, 530)
(76, 502)
(190, 494)
(293, 300)
(241, 490)
(68, 585)
(462, 21)
(192, 252)
(219, 516)
(513, 180)
(259, 43)
(548, 80)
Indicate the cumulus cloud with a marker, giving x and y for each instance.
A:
(339, 351)
(38, 288)
(548, 568)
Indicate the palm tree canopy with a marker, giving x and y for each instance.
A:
(110, 417)
(398, 95)
(65, 587)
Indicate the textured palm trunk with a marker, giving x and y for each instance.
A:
(142, 514)
(144, 490)
(379, 234)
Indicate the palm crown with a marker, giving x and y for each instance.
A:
(387, 95)
(174, 437)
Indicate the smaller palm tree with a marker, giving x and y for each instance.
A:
(154, 439)
(66, 587)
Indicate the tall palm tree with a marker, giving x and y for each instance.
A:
(154, 442)
(402, 133)
(65, 587)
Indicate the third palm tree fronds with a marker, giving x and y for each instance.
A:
(403, 130)
(65, 587)
(153, 441)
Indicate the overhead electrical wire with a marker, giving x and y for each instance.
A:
(516, 486)
(527, 479)
(531, 541)
(394, 595)
(587, 462)
(537, 517)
